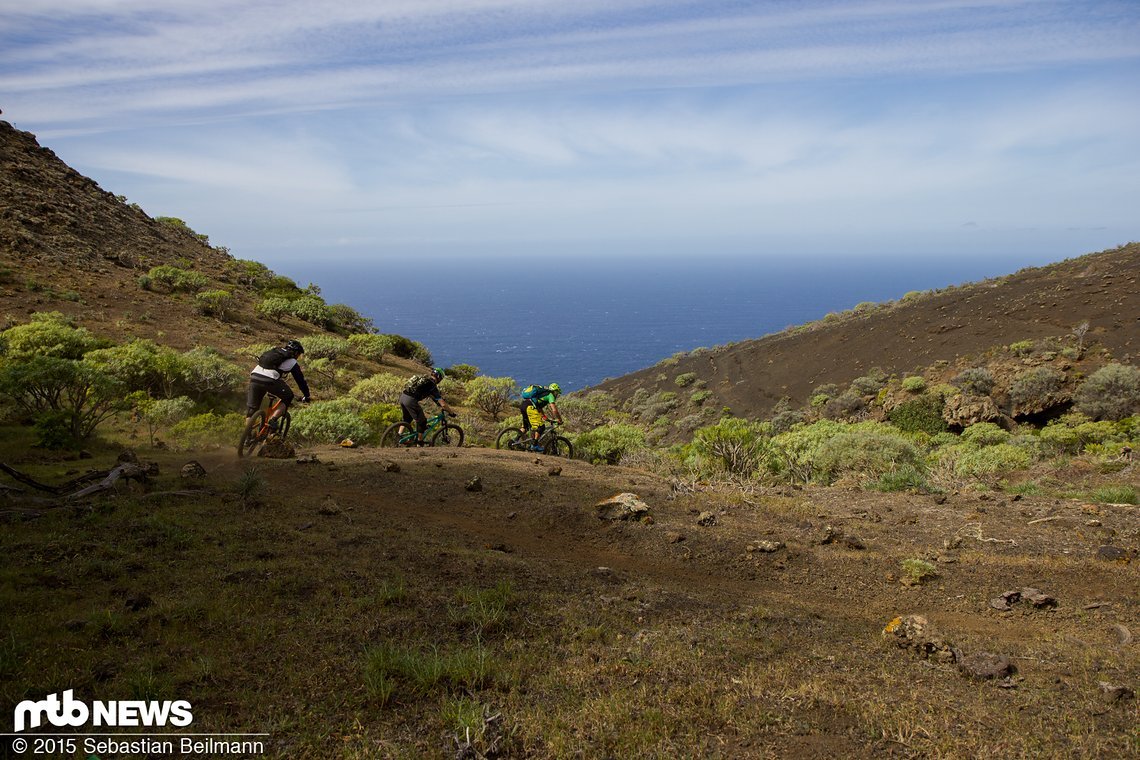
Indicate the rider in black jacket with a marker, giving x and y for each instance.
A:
(266, 377)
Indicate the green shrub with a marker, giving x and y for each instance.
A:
(685, 378)
(312, 309)
(372, 347)
(1034, 387)
(382, 388)
(984, 434)
(492, 395)
(324, 346)
(464, 373)
(915, 572)
(922, 414)
(346, 319)
(734, 445)
(905, 478)
(609, 443)
(208, 430)
(75, 395)
(1021, 348)
(215, 303)
(867, 454)
(589, 410)
(1072, 433)
(998, 459)
(174, 279)
(163, 413)
(870, 384)
(1110, 393)
(207, 372)
(177, 224)
(914, 384)
(696, 398)
(847, 404)
(977, 381)
(251, 274)
(819, 400)
(143, 365)
(330, 421)
(47, 334)
(378, 417)
(274, 308)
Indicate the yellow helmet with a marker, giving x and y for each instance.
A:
(555, 388)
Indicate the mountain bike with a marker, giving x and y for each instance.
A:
(550, 443)
(439, 432)
(259, 427)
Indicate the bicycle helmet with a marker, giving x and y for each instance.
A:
(437, 373)
(555, 388)
(294, 347)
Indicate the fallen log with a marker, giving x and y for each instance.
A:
(29, 480)
(126, 470)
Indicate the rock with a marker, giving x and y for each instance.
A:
(1038, 598)
(984, 665)
(965, 410)
(128, 456)
(606, 574)
(1006, 601)
(623, 506)
(308, 459)
(675, 538)
(766, 546)
(85, 454)
(830, 535)
(854, 542)
(192, 469)
(390, 466)
(1115, 692)
(554, 472)
(914, 632)
(500, 548)
(1112, 554)
(706, 519)
(149, 468)
(475, 484)
(329, 507)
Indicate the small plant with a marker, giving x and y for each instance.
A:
(914, 384)
(394, 590)
(1021, 348)
(685, 378)
(977, 381)
(1125, 494)
(485, 610)
(915, 572)
(249, 487)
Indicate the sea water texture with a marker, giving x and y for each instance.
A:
(579, 322)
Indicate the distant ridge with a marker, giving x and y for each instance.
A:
(950, 325)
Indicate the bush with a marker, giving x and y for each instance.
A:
(382, 388)
(372, 347)
(330, 421)
(847, 404)
(696, 398)
(1021, 348)
(174, 279)
(251, 274)
(914, 384)
(733, 444)
(984, 434)
(492, 395)
(992, 460)
(75, 395)
(919, 415)
(1125, 494)
(588, 411)
(609, 443)
(324, 346)
(378, 417)
(905, 478)
(312, 309)
(1033, 388)
(348, 320)
(163, 413)
(274, 308)
(685, 378)
(142, 365)
(1110, 393)
(977, 381)
(1073, 432)
(870, 384)
(215, 303)
(206, 372)
(207, 430)
(867, 454)
(47, 334)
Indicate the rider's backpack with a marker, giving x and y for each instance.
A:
(416, 385)
(273, 358)
(535, 391)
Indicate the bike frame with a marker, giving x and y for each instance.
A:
(433, 422)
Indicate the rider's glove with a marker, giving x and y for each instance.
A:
(305, 400)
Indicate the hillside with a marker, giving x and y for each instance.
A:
(843, 593)
(957, 326)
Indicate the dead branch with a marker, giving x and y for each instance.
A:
(161, 494)
(29, 480)
(125, 470)
(1044, 519)
(975, 532)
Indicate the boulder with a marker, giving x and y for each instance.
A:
(192, 469)
(964, 410)
(623, 506)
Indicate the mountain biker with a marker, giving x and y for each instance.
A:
(416, 390)
(536, 400)
(266, 378)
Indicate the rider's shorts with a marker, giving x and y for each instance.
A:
(534, 417)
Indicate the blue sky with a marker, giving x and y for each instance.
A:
(303, 129)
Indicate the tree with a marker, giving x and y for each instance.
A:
(492, 395)
(162, 413)
(74, 396)
(141, 365)
(47, 334)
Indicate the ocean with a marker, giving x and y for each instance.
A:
(579, 322)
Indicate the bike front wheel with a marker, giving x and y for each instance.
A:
(398, 434)
(509, 438)
(560, 446)
(251, 434)
(448, 435)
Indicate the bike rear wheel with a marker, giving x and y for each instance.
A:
(560, 446)
(509, 438)
(448, 435)
(251, 434)
(398, 434)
